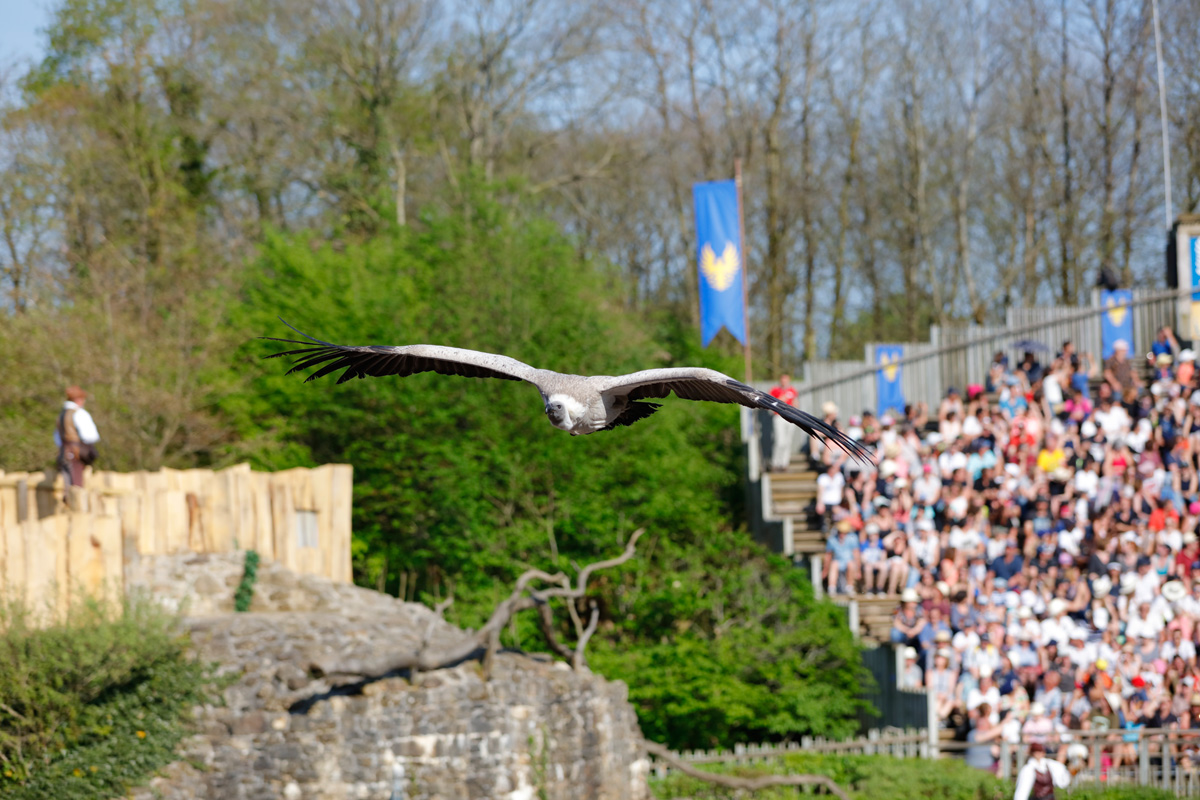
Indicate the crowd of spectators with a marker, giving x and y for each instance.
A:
(1040, 533)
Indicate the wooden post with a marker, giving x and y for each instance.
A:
(737, 179)
(1143, 760)
(931, 723)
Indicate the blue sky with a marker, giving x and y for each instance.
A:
(19, 37)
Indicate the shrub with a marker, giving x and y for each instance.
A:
(93, 705)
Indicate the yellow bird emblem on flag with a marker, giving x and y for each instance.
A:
(1116, 313)
(890, 367)
(719, 272)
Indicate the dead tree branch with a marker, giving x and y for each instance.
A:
(577, 660)
(743, 784)
(484, 642)
(546, 625)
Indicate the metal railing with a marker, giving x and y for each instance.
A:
(910, 743)
(959, 355)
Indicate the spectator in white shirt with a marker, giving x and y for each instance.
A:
(830, 486)
(75, 436)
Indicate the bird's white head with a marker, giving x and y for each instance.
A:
(564, 411)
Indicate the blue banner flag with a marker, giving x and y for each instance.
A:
(1194, 250)
(719, 256)
(1116, 323)
(889, 392)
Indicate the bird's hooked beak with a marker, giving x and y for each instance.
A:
(556, 413)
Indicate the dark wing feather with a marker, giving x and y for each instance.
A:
(378, 360)
(715, 387)
(632, 414)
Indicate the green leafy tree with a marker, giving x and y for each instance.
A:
(462, 484)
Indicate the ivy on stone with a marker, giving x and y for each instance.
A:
(245, 590)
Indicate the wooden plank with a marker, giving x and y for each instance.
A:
(13, 581)
(342, 490)
(59, 527)
(110, 559)
(264, 522)
(40, 568)
(220, 537)
(172, 511)
(282, 522)
(327, 564)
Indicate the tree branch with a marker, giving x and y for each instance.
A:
(577, 661)
(484, 642)
(744, 784)
(546, 624)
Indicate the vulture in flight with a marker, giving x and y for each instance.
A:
(579, 404)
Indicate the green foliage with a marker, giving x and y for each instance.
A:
(244, 594)
(738, 650)
(464, 484)
(92, 706)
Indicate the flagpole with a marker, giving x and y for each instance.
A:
(737, 179)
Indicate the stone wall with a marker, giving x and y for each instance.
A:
(536, 729)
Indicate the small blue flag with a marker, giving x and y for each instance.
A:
(1116, 323)
(720, 260)
(889, 391)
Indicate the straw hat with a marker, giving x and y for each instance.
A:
(1129, 583)
(1173, 591)
(910, 652)
(910, 596)
(1101, 586)
(829, 409)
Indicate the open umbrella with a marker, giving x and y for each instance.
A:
(1030, 346)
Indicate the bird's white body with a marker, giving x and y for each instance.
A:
(578, 417)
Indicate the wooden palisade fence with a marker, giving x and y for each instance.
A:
(51, 549)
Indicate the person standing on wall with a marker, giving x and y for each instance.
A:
(781, 447)
(75, 436)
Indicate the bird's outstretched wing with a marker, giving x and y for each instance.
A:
(695, 383)
(377, 360)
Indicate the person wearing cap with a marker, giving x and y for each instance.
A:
(1040, 776)
(831, 487)
(1118, 369)
(819, 450)
(842, 558)
(873, 557)
(908, 622)
(1185, 370)
(1165, 343)
(911, 676)
(75, 436)
(942, 680)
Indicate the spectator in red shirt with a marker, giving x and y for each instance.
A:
(781, 440)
